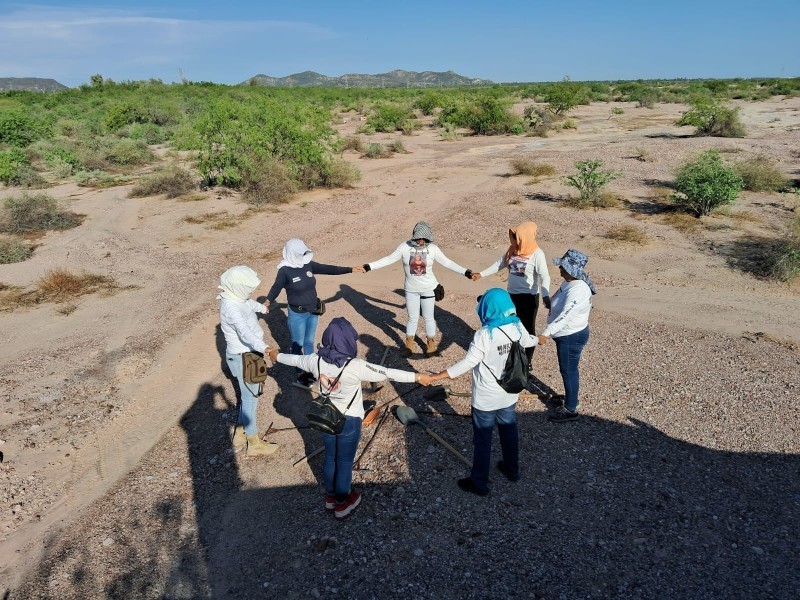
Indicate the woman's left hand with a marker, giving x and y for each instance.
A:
(542, 339)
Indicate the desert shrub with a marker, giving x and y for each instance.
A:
(785, 263)
(61, 161)
(705, 183)
(126, 152)
(268, 182)
(60, 284)
(761, 175)
(354, 142)
(172, 181)
(19, 129)
(375, 150)
(590, 179)
(608, 199)
(342, 174)
(397, 147)
(147, 132)
(526, 166)
(645, 98)
(449, 133)
(617, 111)
(13, 250)
(627, 233)
(388, 117)
(711, 118)
(569, 124)
(96, 178)
(490, 116)
(35, 212)
(563, 96)
(681, 221)
(409, 126)
(538, 120)
(13, 166)
(428, 103)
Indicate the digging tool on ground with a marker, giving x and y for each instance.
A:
(311, 454)
(408, 416)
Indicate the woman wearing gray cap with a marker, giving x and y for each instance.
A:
(418, 255)
(568, 325)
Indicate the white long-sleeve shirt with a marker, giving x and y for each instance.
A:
(349, 384)
(526, 275)
(486, 356)
(240, 325)
(569, 309)
(418, 265)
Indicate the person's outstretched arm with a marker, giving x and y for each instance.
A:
(439, 257)
(386, 260)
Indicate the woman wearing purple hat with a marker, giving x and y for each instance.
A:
(339, 374)
(568, 325)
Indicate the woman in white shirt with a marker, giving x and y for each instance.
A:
(339, 373)
(491, 404)
(528, 276)
(239, 323)
(418, 255)
(568, 325)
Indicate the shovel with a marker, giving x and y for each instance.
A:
(373, 386)
(408, 416)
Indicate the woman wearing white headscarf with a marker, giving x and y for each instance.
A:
(296, 275)
(243, 333)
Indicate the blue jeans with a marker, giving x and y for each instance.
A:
(302, 329)
(248, 392)
(340, 452)
(569, 349)
(483, 422)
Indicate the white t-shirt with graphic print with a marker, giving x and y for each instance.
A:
(418, 265)
(526, 275)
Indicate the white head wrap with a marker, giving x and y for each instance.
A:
(237, 283)
(296, 254)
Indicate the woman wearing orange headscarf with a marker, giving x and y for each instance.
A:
(527, 274)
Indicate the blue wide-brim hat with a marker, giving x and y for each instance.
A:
(573, 263)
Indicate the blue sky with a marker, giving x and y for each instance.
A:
(505, 41)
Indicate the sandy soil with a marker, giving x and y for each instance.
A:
(118, 479)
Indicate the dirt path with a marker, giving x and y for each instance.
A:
(92, 399)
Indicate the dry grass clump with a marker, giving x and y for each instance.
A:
(58, 285)
(35, 212)
(375, 150)
(171, 181)
(342, 174)
(682, 221)
(354, 142)
(397, 147)
(642, 154)
(785, 263)
(602, 200)
(13, 250)
(449, 133)
(738, 215)
(269, 183)
(761, 175)
(99, 179)
(627, 233)
(209, 217)
(526, 166)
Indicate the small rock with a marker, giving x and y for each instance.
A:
(108, 541)
(418, 552)
(757, 550)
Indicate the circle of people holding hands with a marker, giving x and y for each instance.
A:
(334, 369)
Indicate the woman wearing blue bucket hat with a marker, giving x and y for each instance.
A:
(568, 325)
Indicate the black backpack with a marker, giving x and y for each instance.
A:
(515, 373)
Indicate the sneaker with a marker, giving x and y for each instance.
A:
(330, 501)
(467, 485)
(562, 415)
(342, 510)
(501, 467)
(557, 400)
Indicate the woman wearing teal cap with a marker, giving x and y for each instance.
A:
(491, 404)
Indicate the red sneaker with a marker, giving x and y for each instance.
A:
(343, 510)
(330, 501)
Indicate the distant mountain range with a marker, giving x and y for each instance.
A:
(30, 84)
(395, 78)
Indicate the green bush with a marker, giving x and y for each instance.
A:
(375, 150)
(342, 174)
(526, 166)
(13, 164)
(35, 212)
(711, 118)
(538, 120)
(397, 147)
(565, 95)
(388, 117)
(13, 250)
(125, 153)
(270, 182)
(760, 175)
(17, 128)
(172, 181)
(589, 181)
(705, 183)
(96, 178)
(428, 103)
(148, 132)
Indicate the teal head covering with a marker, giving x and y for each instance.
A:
(495, 308)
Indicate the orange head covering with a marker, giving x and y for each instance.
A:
(523, 240)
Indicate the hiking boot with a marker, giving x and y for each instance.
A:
(563, 415)
(409, 349)
(342, 510)
(502, 468)
(239, 440)
(556, 400)
(432, 346)
(258, 447)
(330, 501)
(468, 485)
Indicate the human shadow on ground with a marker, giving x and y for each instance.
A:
(757, 255)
